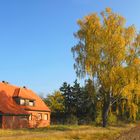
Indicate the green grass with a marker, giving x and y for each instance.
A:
(65, 132)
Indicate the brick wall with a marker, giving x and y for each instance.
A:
(14, 122)
(36, 121)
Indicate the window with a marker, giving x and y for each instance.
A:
(31, 103)
(17, 100)
(39, 116)
(22, 102)
(46, 117)
(27, 102)
(30, 117)
(23, 118)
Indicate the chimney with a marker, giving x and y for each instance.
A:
(5, 82)
(24, 87)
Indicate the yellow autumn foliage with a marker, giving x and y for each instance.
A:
(109, 51)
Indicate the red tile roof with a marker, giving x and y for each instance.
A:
(9, 106)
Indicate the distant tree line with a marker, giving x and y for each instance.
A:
(74, 104)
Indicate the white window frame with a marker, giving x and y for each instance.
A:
(39, 116)
(45, 117)
(31, 103)
(22, 101)
(30, 117)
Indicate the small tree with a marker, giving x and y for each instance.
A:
(66, 91)
(55, 102)
(91, 99)
(109, 52)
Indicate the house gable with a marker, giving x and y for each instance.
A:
(10, 97)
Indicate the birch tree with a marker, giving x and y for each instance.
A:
(109, 52)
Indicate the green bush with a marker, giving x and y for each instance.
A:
(72, 120)
(112, 118)
(98, 119)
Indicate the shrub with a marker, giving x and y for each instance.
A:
(112, 119)
(98, 119)
(72, 120)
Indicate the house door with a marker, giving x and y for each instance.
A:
(0, 121)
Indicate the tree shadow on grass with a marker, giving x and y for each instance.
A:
(56, 128)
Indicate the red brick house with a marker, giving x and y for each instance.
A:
(21, 108)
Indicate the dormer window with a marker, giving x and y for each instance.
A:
(31, 103)
(27, 102)
(24, 102)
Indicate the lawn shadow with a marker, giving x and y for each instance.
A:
(55, 127)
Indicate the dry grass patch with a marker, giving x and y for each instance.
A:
(65, 132)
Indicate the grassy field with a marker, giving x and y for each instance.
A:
(63, 132)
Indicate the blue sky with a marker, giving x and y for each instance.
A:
(36, 37)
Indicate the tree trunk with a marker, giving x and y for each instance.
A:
(105, 115)
(106, 108)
